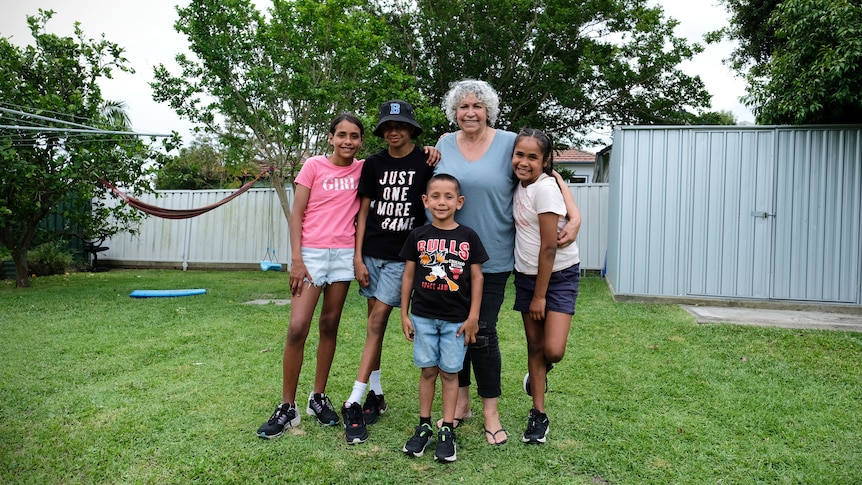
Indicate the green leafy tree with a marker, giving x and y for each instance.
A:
(749, 27)
(816, 74)
(802, 59)
(713, 118)
(56, 173)
(568, 66)
(197, 167)
(204, 165)
(268, 85)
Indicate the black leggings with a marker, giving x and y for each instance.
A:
(484, 355)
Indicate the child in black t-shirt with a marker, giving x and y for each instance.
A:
(390, 188)
(443, 275)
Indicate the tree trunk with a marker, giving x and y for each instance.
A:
(278, 184)
(22, 278)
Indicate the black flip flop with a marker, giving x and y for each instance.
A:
(494, 436)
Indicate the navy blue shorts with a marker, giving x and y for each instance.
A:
(562, 291)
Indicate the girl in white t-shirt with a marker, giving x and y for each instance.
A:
(546, 276)
(322, 241)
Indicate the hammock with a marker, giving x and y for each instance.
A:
(178, 213)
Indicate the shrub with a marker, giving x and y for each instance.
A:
(566, 173)
(49, 258)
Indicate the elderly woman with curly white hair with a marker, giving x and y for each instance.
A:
(480, 157)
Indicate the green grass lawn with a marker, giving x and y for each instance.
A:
(97, 387)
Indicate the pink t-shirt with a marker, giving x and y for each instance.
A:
(328, 222)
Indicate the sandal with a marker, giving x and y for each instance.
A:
(494, 436)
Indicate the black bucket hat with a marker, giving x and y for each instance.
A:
(397, 110)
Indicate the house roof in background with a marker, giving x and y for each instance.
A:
(573, 155)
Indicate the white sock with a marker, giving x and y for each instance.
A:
(374, 382)
(358, 393)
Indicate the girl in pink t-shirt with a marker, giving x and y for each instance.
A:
(322, 240)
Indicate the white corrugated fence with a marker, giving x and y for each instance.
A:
(236, 235)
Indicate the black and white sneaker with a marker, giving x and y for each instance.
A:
(321, 408)
(285, 416)
(374, 406)
(527, 381)
(445, 446)
(417, 443)
(354, 424)
(537, 428)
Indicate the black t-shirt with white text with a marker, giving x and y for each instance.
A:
(395, 187)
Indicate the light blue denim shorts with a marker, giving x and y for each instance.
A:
(327, 266)
(435, 344)
(384, 280)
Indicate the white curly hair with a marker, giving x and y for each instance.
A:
(482, 90)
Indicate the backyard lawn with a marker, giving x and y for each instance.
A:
(98, 387)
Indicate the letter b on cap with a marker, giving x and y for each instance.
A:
(395, 109)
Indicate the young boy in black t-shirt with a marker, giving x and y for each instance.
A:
(443, 275)
(391, 187)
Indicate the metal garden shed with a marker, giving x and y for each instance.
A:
(737, 214)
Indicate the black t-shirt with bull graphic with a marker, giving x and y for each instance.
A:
(441, 283)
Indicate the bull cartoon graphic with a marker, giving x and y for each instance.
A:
(437, 264)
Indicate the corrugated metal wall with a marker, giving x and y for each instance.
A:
(737, 212)
(731, 178)
(592, 200)
(819, 196)
(238, 232)
(649, 212)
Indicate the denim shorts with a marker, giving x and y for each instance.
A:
(327, 266)
(562, 291)
(435, 344)
(384, 280)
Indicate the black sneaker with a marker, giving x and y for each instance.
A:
(374, 406)
(354, 424)
(419, 441)
(445, 446)
(320, 407)
(285, 416)
(537, 428)
(527, 381)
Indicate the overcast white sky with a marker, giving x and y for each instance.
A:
(145, 30)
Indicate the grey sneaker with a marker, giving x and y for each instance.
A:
(537, 428)
(285, 416)
(445, 446)
(321, 408)
(419, 441)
